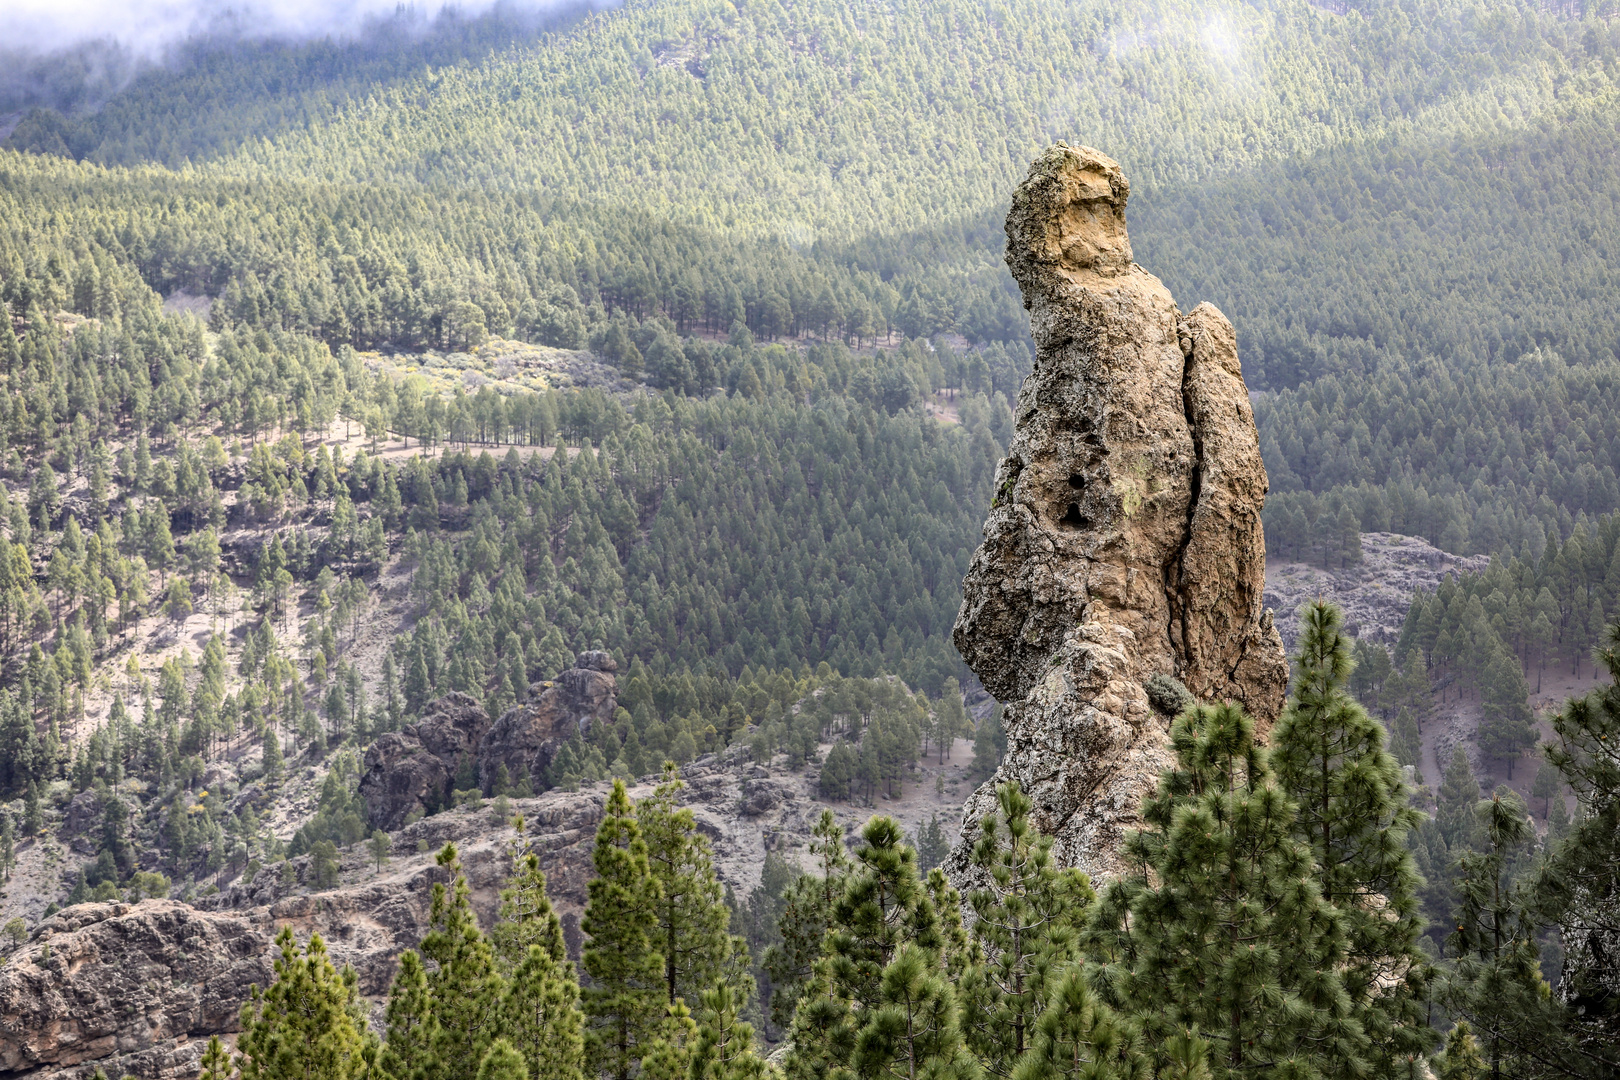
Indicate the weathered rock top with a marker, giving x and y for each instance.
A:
(1068, 218)
(1124, 540)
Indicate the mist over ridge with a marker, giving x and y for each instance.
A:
(74, 57)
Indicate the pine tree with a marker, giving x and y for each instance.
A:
(502, 1062)
(690, 916)
(1577, 885)
(1507, 728)
(1459, 793)
(216, 1061)
(669, 1057)
(412, 1030)
(539, 1013)
(1219, 928)
(951, 720)
(1352, 812)
(272, 755)
(323, 864)
(1076, 1037)
(1495, 983)
(625, 997)
(311, 1022)
(527, 918)
(806, 913)
(913, 1029)
(932, 845)
(1545, 785)
(1461, 1059)
(1027, 922)
(1558, 821)
(884, 911)
(725, 1042)
(1407, 742)
(466, 988)
(540, 1016)
(884, 905)
(8, 845)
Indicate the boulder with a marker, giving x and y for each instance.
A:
(528, 736)
(452, 726)
(82, 814)
(1124, 538)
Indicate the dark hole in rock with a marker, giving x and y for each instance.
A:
(1077, 481)
(1073, 519)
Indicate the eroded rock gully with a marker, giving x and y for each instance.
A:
(1124, 539)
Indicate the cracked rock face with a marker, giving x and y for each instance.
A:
(413, 771)
(1124, 539)
(128, 984)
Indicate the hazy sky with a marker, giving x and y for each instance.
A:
(146, 25)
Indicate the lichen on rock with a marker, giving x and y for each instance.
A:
(1124, 540)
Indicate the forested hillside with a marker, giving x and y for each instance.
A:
(272, 485)
(101, 101)
(843, 117)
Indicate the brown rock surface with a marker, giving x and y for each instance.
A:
(127, 983)
(1125, 539)
(452, 726)
(415, 769)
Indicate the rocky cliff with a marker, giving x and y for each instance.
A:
(1124, 542)
(124, 986)
(138, 989)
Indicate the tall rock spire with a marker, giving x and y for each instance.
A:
(1124, 541)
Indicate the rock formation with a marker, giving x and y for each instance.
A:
(528, 736)
(125, 985)
(183, 971)
(416, 769)
(1375, 593)
(1124, 540)
(138, 989)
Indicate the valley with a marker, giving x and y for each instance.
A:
(450, 415)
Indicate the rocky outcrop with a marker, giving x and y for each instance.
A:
(414, 770)
(1124, 540)
(138, 989)
(452, 727)
(528, 736)
(82, 814)
(1374, 593)
(125, 986)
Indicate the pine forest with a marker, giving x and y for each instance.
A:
(486, 493)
